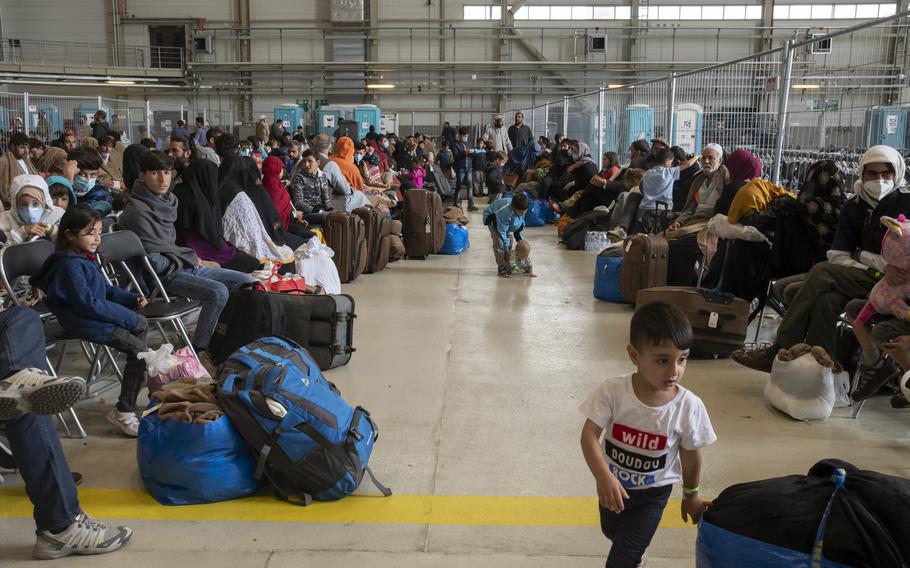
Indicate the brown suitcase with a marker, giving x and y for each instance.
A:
(378, 228)
(644, 264)
(345, 234)
(423, 226)
(719, 320)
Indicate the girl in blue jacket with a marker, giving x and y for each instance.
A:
(89, 308)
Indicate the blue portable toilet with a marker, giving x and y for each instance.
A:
(329, 117)
(5, 124)
(639, 124)
(887, 125)
(367, 116)
(688, 124)
(291, 115)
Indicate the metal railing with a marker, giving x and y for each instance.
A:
(27, 51)
(783, 104)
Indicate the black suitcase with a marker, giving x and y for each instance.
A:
(439, 180)
(323, 324)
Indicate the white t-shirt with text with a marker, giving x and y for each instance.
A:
(642, 442)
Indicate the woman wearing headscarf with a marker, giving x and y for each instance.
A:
(742, 167)
(131, 157)
(271, 180)
(582, 169)
(243, 221)
(199, 225)
(344, 157)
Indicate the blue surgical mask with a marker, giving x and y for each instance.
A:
(245, 152)
(31, 215)
(357, 158)
(82, 185)
(105, 155)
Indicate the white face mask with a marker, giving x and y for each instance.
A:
(876, 189)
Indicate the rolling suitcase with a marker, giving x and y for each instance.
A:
(423, 226)
(324, 324)
(718, 320)
(378, 229)
(441, 182)
(644, 265)
(345, 234)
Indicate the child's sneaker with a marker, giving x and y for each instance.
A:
(84, 536)
(33, 390)
(126, 422)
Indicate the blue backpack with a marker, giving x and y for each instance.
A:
(308, 442)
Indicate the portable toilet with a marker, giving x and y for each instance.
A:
(610, 131)
(688, 126)
(291, 115)
(639, 124)
(887, 125)
(367, 116)
(329, 117)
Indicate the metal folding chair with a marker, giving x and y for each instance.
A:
(117, 252)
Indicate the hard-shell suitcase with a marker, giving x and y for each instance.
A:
(718, 320)
(644, 265)
(346, 236)
(423, 226)
(378, 229)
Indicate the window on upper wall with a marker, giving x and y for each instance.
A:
(582, 12)
(563, 13)
(833, 11)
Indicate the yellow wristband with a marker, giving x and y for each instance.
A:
(687, 491)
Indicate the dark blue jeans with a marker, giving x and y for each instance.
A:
(632, 530)
(463, 180)
(33, 439)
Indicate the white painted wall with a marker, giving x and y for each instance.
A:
(85, 21)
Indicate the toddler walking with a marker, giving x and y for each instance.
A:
(643, 433)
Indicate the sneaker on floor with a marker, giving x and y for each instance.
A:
(899, 402)
(473, 208)
(874, 377)
(85, 536)
(757, 359)
(126, 422)
(33, 390)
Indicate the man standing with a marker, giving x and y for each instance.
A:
(277, 131)
(180, 130)
(206, 150)
(497, 135)
(519, 133)
(200, 137)
(15, 162)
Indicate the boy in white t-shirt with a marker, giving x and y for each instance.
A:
(644, 433)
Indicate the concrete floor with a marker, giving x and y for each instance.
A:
(474, 382)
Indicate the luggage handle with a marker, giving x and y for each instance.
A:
(722, 298)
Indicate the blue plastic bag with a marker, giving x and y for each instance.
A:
(535, 216)
(456, 240)
(186, 464)
(607, 279)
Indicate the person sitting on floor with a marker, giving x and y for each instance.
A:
(33, 214)
(151, 213)
(854, 264)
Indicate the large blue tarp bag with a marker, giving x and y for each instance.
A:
(836, 516)
(308, 441)
(186, 464)
(607, 279)
(456, 239)
(536, 215)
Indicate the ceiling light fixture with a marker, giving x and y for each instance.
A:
(380, 86)
(806, 86)
(119, 82)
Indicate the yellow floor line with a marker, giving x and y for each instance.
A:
(397, 509)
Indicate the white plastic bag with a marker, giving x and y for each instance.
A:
(165, 366)
(721, 226)
(803, 388)
(314, 263)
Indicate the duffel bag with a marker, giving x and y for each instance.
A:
(456, 240)
(608, 269)
(309, 442)
(186, 464)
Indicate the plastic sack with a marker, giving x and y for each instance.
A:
(536, 214)
(456, 240)
(186, 464)
(607, 281)
(165, 365)
(314, 263)
(596, 241)
(271, 281)
(804, 389)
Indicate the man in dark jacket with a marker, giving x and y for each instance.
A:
(854, 265)
(519, 133)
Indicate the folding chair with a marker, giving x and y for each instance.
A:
(26, 259)
(118, 250)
